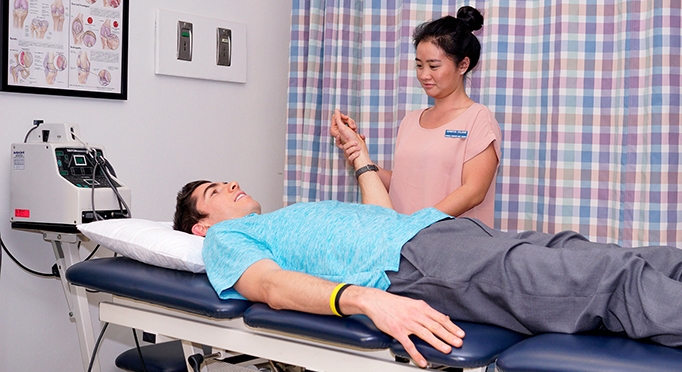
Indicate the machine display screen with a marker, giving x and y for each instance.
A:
(79, 160)
(77, 166)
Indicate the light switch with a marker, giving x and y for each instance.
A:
(224, 46)
(184, 41)
(197, 47)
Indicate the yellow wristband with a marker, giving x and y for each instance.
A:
(334, 299)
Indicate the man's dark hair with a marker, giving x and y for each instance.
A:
(186, 213)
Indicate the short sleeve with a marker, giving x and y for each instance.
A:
(484, 130)
(229, 254)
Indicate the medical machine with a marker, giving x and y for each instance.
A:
(58, 181)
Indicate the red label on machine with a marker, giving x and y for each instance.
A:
(25, 213)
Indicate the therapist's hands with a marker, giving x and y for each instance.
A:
(349, 140)
(373, 188)
(352, 148)
(401, 317)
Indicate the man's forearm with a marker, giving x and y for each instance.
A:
(265, 281)
(372, 188)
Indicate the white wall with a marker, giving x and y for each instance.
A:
(170, 130)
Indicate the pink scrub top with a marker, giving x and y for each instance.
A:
(428, 162)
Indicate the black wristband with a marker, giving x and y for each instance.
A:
(366, 168)
(338, 298)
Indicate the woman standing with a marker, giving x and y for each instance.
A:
(446, 155)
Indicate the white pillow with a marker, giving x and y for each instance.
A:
(155, 243)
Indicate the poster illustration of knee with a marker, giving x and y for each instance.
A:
(84, 55)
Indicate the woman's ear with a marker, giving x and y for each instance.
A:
(200, 229)
(463, 65)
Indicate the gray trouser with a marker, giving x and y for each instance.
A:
(533, 282)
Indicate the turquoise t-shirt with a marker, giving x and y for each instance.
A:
(340, 242)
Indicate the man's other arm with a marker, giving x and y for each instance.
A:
(398, 316)
(372, 188)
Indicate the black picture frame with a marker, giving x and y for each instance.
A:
(37, 60)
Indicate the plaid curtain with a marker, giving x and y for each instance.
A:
(587, 93)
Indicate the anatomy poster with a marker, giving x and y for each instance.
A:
(73, 45)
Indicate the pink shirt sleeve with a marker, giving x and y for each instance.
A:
(428, 162)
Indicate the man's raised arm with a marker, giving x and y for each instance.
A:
(372, 188)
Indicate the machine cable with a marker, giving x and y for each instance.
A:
(139, 350)
(108, 172)
(4, 247)
(36, 124)
(97, 343)
(53, 274)
(91, 253)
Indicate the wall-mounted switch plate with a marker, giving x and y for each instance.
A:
(185, 41)
(205, 44)
(224, 46)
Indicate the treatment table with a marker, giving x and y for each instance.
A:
(183, 306)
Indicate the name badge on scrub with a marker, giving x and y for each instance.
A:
(449, 133)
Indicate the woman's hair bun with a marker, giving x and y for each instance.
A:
(471, 17)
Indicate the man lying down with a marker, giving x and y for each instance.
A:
(407, 272)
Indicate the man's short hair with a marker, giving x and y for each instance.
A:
(186, 212)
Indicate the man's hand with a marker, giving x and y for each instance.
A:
(401, 317)
(372, 187)
(350, 149)
(337, 118)
(348, 140)
(398, 316)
